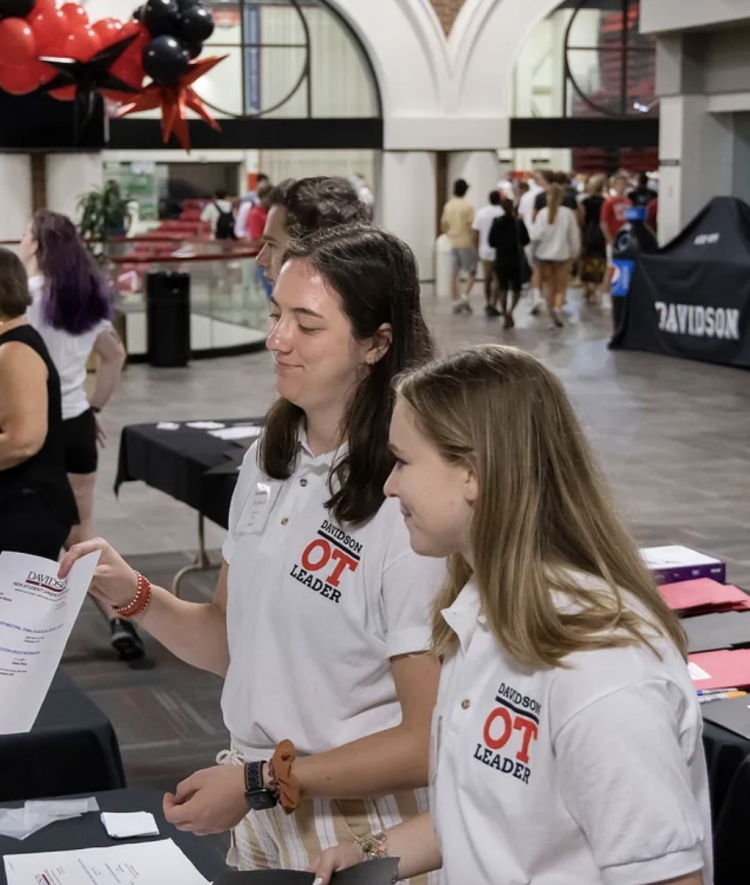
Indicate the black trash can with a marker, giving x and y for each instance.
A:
(168, 315)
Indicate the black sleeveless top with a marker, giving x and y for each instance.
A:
(44, 473)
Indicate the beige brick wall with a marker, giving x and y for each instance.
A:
(447, 11)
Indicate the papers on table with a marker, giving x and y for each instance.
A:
(129, 826)
(37, 613)
(734, 715)
(167, 425)
(20, 823)
(703, 596)
(205, 425)
(146, 863)
(239, 431)
(716, 631)
(720, 669)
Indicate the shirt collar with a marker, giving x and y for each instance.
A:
(465, 613)
(327, 459)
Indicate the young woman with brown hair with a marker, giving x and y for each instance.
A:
(566, 740)
(320, 621)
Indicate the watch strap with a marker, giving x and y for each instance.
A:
(254, 777)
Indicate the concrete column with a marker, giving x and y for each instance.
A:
(406, 202)
(15, 186)
(480, 168)
(696, 154)
(69, 177)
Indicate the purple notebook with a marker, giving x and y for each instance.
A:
(673, 564)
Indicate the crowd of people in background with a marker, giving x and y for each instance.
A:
(545, 232)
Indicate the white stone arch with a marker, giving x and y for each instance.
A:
(407, 49)
(483, 56)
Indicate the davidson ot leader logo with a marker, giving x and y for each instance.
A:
(46, 582)
(698, 321)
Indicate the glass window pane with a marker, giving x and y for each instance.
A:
(228, 21)
(598, 76)
(342, 85)
(641, 83)
(222, 86)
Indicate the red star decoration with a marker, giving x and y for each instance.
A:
(175, 101)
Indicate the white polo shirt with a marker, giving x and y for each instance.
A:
(315, 612)
(592, 775)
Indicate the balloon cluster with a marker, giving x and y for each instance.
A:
(167, 35)
(34, 29)
(178, 29)
(61, 52)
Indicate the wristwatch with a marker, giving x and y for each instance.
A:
(257, 796)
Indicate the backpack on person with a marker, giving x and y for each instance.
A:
(224, 224)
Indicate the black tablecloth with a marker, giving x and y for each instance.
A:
(72, 748)
(88, 832)
(178, 462)
(728, 758)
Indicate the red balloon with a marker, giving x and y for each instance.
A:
(66, 94)
(75, 14)
(50, 29)
(43, 6)
(108, 31)
(22, 81)
(17, 43)
(81, 44)
(129, 66)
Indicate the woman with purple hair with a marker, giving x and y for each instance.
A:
(72, 310)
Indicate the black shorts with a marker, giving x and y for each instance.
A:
(79, 437)
(508, 278)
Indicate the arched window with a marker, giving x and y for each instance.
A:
(287, 59)
(588, 58)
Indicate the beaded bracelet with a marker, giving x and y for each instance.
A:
(140, 601)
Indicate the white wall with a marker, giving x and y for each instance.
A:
(15, 187)
(679, 15)
(70, 176)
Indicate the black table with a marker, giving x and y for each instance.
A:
(728, 758)
(88, 832)
(178, 463)
(71, 748)
(191, 466)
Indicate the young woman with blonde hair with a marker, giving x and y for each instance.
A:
(566, 740)
(556, 240)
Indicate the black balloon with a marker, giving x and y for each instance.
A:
(138, 14)
(162, 18)
(165, 60)
(197, 25)
(187, 4)
(16, 8)
(194, 49)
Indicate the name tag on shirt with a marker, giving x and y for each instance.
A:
(257, 510)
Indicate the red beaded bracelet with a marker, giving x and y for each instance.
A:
(140, 602)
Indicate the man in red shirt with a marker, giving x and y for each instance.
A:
(613, 210)
(252, 229)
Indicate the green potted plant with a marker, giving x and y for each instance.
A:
(104, 213)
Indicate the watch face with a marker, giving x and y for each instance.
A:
(260, 800)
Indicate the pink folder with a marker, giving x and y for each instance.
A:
(720, 669)
(704, 595)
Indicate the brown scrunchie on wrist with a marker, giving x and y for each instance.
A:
(289, 788)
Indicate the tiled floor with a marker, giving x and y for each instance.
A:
(672, 437)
